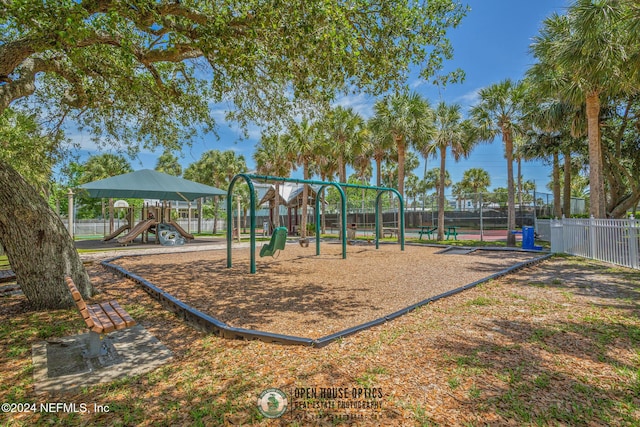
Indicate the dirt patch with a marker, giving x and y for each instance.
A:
(312, 296)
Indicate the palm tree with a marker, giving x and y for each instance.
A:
(450, 133)
(327, 166)
(105, 166)
(168, 163)
(433, 180)
(499, 112)
(271, 159)
(584, 57)
(476, 181)
(408, 119)
(345, 129)
(216, 168)
(380, 146)
(302, 148)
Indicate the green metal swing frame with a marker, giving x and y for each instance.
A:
(249, 178)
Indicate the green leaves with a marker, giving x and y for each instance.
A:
(270, 58)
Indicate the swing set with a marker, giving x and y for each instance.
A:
(249, 178)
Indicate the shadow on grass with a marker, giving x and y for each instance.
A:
(523, 374)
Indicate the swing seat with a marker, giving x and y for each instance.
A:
(277, 242)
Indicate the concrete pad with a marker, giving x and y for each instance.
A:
(59, 366)
(455, 250)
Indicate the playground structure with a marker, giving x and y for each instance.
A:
(155, 220)
(248, 178)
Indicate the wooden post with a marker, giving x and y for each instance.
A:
(70, 212)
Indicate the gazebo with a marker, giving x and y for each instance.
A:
(291, 197)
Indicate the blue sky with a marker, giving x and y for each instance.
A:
(490, 45)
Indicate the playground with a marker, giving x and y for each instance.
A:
(304, 295)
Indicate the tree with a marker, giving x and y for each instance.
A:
(271, 158)
(433, 177)
(476, 181)
(346, 130)
(500, 112)
(168, 163)
(303, 148)
(407, 118)
(143, 74)
(104, 166)
(450, 132)
(584, 56)
(216, 168)
(27, 146)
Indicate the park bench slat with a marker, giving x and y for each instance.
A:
(97, 327)
(103, 317)
(128, 320)
(113, 316)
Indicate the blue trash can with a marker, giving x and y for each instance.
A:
(528, 238)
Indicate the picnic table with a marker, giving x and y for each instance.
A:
(452, 231)
(390, 231)
(428, 230)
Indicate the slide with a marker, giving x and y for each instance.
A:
(169, 235)
(116, 233)
(181, 230)
(136, 231)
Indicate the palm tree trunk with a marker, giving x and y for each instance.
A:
(378, 160)
(276, 206)
(401, 154)
(443, 156)
(519, 161)
(215, 215)
(596, 179)
(566, 211)
(305, 198)
(511, 206)
(556, 185)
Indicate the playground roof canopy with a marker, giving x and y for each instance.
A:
(290, 194)
(150, 184)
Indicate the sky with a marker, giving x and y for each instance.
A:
(490, 44)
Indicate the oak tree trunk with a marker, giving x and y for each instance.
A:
(38, 246)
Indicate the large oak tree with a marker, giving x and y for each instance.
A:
(144, 73)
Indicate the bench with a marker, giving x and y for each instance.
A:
(428, 230)
(390, 231)
(100, 318)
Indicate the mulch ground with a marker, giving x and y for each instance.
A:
(553, 344)
(301, 294)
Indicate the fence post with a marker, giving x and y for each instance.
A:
(557, 236)
(633, 243)
(592, 237)
(481, 222)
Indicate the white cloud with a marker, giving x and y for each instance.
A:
(469, 98)
(360, 103)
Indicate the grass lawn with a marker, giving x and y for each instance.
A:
(554, 344)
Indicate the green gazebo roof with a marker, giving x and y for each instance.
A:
(150, 184)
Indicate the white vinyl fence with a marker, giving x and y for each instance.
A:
(543, 229)
(100, 228)
(615, 241)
